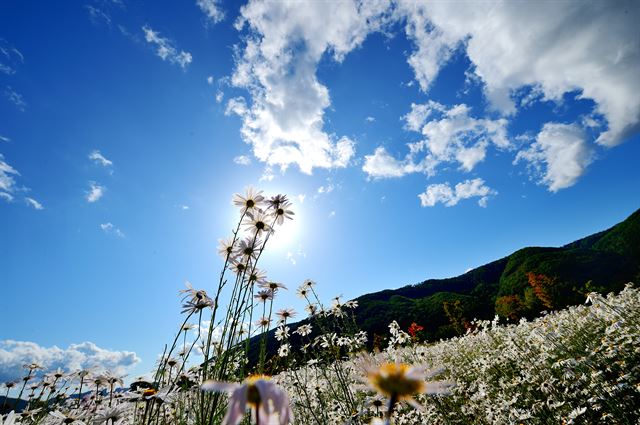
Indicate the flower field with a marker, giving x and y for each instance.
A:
(578, 365)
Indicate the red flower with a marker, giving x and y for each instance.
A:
(414, 329)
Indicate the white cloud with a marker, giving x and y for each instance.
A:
(98, 158)
(16, 98)
(559, 156)
(332, 214)
(184, 207)
(449, 196)
(370, 119)
(210, 80)
(242, 160)
(415, 119)
(97, 15)
(567, 46)
(452, 136)
(238, 106)
(326, 189)
(4, 139)
(293, 257)
(33, 203)
(301, 198)
(165, 48)
(283, 47)
(109, 228)
(9, 187)
(267, 174)
(383, 165)
(10, 57)
(86, 355)
(212, 9)
(7, 180)
(219, 96)
(95, 192)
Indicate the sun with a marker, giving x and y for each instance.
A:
(288, 235)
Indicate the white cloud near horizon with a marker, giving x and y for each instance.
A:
(98, 158)
(86, 355)
(212, 9)
(165, 48)
(95, 192)
(450, 196)
(284, 42)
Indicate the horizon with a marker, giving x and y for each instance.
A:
(415, 142)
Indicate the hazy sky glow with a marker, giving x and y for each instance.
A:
(415, 140)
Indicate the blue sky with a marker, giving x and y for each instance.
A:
(415, 141)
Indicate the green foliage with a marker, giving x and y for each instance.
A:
(602, 262)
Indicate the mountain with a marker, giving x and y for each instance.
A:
(520, 285)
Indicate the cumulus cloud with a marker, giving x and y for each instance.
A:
(98, 158)
(109, 228)
(580, 48)
(445, 194)
(212, 9)
(33, 203)
(86, 355)
(453, 135)
(95, 192)
(559, 155)
(567, 47)
(166, 49)
(277, 65)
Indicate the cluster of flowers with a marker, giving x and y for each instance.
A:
(82, 396)
(579, 365)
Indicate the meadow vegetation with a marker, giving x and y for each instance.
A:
(556, 352)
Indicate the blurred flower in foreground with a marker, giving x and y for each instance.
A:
(10, 419)
(397, 381)
(401, 382)
(262, 396)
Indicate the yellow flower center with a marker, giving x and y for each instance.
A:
(253, 395)
(392, 380)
